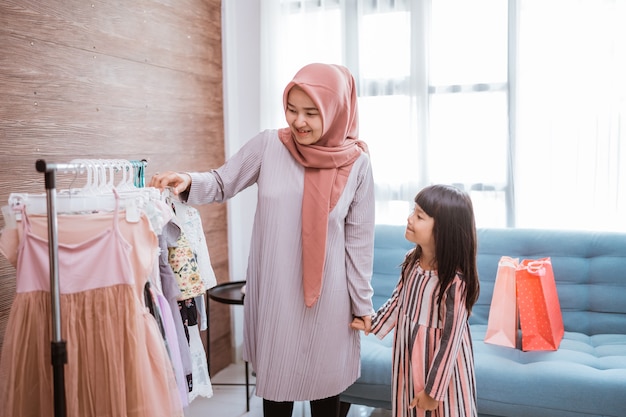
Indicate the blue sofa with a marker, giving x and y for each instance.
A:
(586, 376)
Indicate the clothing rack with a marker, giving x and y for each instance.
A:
(58, 345)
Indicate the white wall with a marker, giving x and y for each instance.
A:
(241, 63)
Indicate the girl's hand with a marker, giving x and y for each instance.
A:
(424, 401)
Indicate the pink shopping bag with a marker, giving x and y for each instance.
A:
(503, 321)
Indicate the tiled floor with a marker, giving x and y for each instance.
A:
(230, 401)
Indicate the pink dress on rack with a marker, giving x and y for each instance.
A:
(117, 362)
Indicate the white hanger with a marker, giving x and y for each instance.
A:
(96, 194)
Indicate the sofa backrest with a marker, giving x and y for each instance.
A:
(589, 269)
(390, 248)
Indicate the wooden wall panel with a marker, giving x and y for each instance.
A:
(113, 79)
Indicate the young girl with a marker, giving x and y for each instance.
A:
(433, 364)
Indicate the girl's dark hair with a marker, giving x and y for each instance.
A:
(454, 231)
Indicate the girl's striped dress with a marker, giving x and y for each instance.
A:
(432, 348)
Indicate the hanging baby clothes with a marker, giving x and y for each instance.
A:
(171, 292)
(183, 262)
(201, 382)
(202, 306)
(117, 363)
(189, 316)
(173, 348)
(191, 224)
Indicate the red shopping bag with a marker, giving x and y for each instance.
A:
(503, 319)
(539, 308)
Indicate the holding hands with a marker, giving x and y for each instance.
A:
(363, 323)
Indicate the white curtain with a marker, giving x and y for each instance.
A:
(523, 106)
(571, 144)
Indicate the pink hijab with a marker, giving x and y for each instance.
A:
(327, 163)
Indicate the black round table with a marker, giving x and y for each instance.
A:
(230, 293)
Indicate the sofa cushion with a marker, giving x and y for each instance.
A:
(585, 376)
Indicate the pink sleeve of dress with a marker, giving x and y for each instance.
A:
(386, 317)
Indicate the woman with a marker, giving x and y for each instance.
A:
(310, 260)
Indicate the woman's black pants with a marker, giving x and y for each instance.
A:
(327, 407)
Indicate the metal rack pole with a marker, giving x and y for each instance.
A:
(58, 346)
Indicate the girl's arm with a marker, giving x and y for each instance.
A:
(386, 317)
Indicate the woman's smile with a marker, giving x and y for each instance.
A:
(303, 117)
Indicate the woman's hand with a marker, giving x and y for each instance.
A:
(424, 401)
(177, 181)
(363, 323)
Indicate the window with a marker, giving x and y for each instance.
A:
(520, 102)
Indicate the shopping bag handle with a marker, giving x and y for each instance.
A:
(536, 267)
(509, 262)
